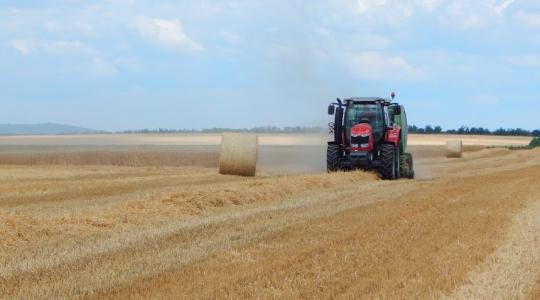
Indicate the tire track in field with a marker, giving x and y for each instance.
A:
(536, 290)
(511, 271)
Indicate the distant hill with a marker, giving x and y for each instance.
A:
(43, 129)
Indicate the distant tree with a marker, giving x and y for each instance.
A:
(413, 129)
(425, 130)
(522, 132)
(536, 133)
(514, 132)
(479, 130)
(500, 131)
(463, 130)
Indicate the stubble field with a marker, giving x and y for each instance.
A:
(81, 218)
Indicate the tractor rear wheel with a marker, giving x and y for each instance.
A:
(333, 156)
(388, 162)
(409, 159)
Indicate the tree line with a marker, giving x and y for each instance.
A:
(428, 129)
(259, 129)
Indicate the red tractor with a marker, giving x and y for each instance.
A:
(370, 134)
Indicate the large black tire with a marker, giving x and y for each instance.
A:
(388, 162)
(410, 162)
(398, 163)
(333, 156)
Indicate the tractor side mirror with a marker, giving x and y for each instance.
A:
(331, 109)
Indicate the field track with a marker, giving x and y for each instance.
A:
(466, 228)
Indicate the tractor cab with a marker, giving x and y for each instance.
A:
(372, 113)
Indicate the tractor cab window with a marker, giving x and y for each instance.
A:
(364, 113)
(387, 118)
(396, 118)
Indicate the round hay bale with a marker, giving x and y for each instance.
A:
(454, 149)
(238, 154)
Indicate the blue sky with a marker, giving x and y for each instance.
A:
(120, 64)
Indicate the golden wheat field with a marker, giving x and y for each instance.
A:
(147, 220)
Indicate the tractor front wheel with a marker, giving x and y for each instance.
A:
(398, 163)
(333, 156)
(388, 162)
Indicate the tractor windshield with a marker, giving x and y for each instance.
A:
(365, 113)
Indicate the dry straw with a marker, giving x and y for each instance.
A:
(238, 154)
(114, 158)
(454, 149)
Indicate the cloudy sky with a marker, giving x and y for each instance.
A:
(119, 64)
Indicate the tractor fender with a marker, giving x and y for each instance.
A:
(392, 135)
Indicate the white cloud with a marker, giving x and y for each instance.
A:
(128, 63)
(529, 19)
(388, 12)
(229, 36)
(51, 25)
(428, 5)
(322, 31)
(23, 46)
(364, 6)
(500, 8)
(84, 28)
(89, 60)
(102, 68)
(524, 61)
(394, 7)
(463, 15)
(167, 32)
(59, 47)
(458, 14)
(376, 41)
(376, 66)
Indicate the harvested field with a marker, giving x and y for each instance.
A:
(215, 139)
(180, 157)
(114, 223)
